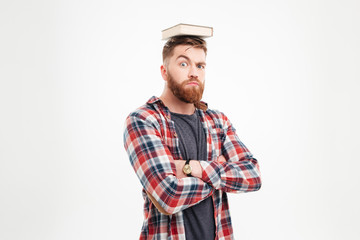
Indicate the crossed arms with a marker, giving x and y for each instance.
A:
(196, 172)
(160, 175)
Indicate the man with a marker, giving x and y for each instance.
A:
(187, 156)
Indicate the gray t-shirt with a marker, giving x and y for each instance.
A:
(199, 219)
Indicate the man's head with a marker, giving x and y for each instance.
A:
(193, 41)
(184, 61)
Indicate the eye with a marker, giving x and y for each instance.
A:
(201, 66)
(183, 64)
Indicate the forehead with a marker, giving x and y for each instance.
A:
(196, 54)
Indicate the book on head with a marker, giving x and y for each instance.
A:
(187, 29)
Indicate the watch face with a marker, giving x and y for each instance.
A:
(187, 169)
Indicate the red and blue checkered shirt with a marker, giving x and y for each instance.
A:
(152, 144)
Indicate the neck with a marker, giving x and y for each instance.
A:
(176, 105)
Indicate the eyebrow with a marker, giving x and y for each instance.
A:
(187, 58)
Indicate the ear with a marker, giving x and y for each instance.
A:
(163, 72)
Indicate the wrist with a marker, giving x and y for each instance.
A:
(196, 168)
(187, 169)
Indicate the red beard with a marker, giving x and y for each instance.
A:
(186, 94)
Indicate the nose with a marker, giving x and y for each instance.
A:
(193, 72)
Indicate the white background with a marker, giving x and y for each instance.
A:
(285, 72)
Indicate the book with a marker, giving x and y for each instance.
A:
(187, 29)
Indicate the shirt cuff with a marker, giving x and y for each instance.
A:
(211, 173)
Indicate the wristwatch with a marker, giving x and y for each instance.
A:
(187, 168)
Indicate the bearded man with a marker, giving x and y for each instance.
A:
(186, 156)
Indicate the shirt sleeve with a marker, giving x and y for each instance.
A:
(240, 172)
(154, 166)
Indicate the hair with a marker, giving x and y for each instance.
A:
(194, 41)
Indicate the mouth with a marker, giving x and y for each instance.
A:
(193, 83)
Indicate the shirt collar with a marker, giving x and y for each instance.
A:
(154, 100)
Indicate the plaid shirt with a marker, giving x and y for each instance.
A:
(152, 145)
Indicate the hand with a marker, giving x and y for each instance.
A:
(221, 159)
(179, 169)
(157, 205)
(196, 168)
